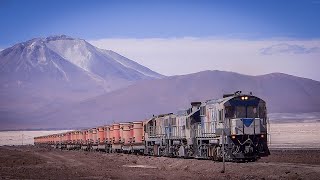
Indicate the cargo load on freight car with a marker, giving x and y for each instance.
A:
(237, 122)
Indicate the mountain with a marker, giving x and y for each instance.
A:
(282, 92)
(46, 73)
(60, 57)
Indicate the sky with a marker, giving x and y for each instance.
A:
(179, 37)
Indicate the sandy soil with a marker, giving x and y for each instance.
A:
(29, 162)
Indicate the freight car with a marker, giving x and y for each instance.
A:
(234, 126)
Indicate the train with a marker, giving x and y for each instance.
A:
(233, 128)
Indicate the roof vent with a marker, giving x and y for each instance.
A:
(195, 104)
(237, 92)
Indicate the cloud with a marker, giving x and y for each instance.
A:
(175, 56)
(288, 48)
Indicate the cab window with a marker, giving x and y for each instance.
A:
(240, 111)
(252, 112)
(230, 112)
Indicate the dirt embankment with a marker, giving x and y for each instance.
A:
(39, 163)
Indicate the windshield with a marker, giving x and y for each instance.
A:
(241, 112)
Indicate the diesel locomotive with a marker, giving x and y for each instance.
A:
(234, 126)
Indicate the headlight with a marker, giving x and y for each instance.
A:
(233, 137)
(244, 98)
(262, 135)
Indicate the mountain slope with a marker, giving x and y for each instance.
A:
(283, 93)
(106, 64)
(131, 64)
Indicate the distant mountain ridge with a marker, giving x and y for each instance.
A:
(282, 92)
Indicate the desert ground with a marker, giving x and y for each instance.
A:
(29, 162)
(295, 154)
